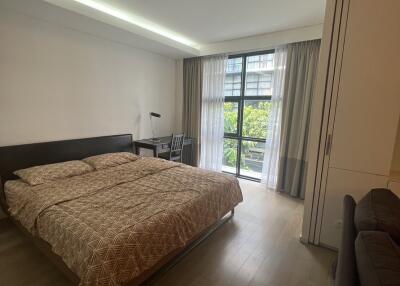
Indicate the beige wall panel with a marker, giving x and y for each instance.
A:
(368, 105)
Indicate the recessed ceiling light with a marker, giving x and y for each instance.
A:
(138, 21)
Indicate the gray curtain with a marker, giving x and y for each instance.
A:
(301, 70)
(192, 89)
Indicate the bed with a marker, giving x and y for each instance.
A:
(118, 225)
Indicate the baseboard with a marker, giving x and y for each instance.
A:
(329, 247)
(303, 240)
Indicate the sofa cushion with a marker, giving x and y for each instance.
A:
(379, 210)
(378, 259)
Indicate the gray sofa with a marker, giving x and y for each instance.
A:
(369, 254)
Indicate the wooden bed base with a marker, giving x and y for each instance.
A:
(17, 157)
(145, 277)
(174, 257)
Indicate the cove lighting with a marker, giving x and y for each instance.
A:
(135, 20)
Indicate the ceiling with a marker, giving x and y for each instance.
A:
(185, 28)
(209, 21)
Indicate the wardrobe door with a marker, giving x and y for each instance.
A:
(364, 120)
(368, 104)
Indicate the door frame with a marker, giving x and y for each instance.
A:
(323, 116)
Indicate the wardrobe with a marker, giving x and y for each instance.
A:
(354, 142)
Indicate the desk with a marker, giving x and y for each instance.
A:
(163, 146)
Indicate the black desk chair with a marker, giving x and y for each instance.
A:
(176, 148)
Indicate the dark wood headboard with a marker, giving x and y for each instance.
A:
(17, 157)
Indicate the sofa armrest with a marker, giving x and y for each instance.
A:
(346, 270)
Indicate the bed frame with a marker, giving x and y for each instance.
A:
(17, 157)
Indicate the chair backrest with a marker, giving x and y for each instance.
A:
(176, 148)
(177, 142)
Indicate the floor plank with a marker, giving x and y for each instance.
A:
(259, 246)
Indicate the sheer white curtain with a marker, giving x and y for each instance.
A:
(212, 113)
(269, 174)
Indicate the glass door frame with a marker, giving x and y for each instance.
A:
(240, 100)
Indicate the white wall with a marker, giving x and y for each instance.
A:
(58, 83)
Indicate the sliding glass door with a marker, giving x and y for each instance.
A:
(248, 90)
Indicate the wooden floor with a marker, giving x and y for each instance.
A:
(259, 246)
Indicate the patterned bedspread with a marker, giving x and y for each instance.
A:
(111, 225)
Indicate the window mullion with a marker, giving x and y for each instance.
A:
(241, 108)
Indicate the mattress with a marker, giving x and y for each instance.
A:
(111, 225)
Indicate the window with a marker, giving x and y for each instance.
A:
(248, 90)
(233, 81)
